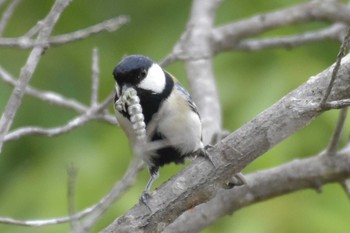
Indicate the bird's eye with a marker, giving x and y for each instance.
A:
(143, 74)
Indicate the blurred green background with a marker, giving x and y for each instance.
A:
(33, 177)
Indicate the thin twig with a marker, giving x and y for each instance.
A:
(25, 42)
(2, 2)
(72, 178)
(45, 222)
(332, 147)
(95, 77)
(95, 211)
(224, 37)
(336, 104)
(28, 69)
(333, 32)
(46, 96)
(7, 15)
(346, 187)
(342, 52)
(33, 31)
(91, 114)
(127, 181)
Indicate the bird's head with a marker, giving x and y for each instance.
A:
(139, 72)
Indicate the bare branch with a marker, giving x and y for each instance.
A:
(263, 185)
(31, 32)
(332, 147)
(95, 77)
(95, 211)
(127, 181)
(200, 181)
(224, 37)
(45, 222)
(72, 178)
(196, 45)
(346, 187)
(338, 104)
(109, 25)
(342, 52)
(28, 70)
(46, 96)
(334, 32)
(2, 2)
(7, 15)
(93, 113)
(26, 42)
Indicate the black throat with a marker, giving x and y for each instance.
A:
(151, 101)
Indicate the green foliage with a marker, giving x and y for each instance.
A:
(33, 176)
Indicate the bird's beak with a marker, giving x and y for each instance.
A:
(124, 88)
(119, 100)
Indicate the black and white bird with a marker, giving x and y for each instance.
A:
(170, 115)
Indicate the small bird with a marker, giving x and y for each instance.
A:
(169, 113)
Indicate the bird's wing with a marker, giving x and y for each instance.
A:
(187, 97)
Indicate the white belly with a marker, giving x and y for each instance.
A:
(182, 128)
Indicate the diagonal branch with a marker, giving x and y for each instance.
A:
(200, 181)
(46, 96)
(7, 15)
(333, 32)
(263, 185)
(28, 69)
(26, 42)
(93, 113)
(225, 37)
(94, 211)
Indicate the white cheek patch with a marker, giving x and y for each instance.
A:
(155, 79)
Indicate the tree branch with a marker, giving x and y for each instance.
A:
(225, 37)
(26, 42)
(95, 78)
(7, 15)
(2, 2)
(200, 181)
(28, 69)
(334, 32)
(95, 211)
(95, 112)
(46, 96)
(263, 185)
(196, 44)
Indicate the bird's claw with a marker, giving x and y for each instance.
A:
(145, 197)
(203, 152)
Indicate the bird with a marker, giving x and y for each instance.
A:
(169, 114)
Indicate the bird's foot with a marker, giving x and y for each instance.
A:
(145, 197)
(203, 152)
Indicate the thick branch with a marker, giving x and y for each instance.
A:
(200, 181)
(199, 66)
(293, 176)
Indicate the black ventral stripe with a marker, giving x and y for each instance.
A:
(151, 101)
